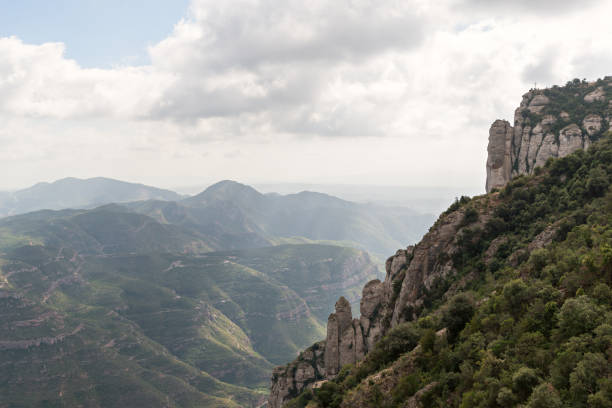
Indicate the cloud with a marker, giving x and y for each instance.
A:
(249, 57)
(543, 8)
(350, 78)
(37, 80)
(542, 69)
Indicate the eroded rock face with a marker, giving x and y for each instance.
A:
(383, 305)
(592, 124)
(570, 140)
(596, 96)
(347, 341)
(288, 381)
(535, 137)
(431, 260)
(499, 165)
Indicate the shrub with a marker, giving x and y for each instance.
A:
(523, 381)
(515, 294)
(329, 395)
(505, 397)
(583, 380)
(578, 315)
(406, 387)
(458, 313)
(545, 396)
(469, 217)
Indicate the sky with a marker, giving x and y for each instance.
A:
(179, 93)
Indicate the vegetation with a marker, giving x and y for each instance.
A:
(533, 327)
(137, 326)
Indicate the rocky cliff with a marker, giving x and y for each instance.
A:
(470, 310)
(551, 122)
(411, 274)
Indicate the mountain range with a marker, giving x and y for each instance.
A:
(78, 193)
(186, 301)
(114, 308)
(230, 215)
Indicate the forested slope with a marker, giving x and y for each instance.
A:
(514, 311)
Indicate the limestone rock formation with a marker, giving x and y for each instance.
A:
(499, 166)
(415, 274)
(348, 340)
(409, 274)
(288, 381)
(547, 124)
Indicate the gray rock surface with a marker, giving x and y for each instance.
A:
(536, 135)
(499, 165)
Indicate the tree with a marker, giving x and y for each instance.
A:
(579, 315)
(583, 380)
(458, 313)
(523, 381)
(516, 295)
(545, 396)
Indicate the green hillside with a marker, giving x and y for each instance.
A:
(107, 307)
(525, 320)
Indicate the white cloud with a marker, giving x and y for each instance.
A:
(273, 80)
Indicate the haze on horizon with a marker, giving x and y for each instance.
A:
(278, 92)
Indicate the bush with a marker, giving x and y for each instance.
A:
(597, 183)
(523, 381)
(459, 312)
(583, 380)
(516, 295)
(603, 294)
(545, 396)
(505, 397)
(329, 395)
(469, 217)
(406, 387)
(603, 397)
(399, 340)
(578, 315)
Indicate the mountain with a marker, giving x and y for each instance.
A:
(505, 302)
(241, 217)
(78, 193)
(549, 123)
(108, 307)
(230, 215)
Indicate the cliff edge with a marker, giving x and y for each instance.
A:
(552, 122)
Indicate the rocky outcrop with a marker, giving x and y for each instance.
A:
(348, 340)
(545, 126)
(410, 273)
(288, 381)
(499, 165)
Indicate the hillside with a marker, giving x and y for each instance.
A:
(505, 302)
(238, 216)
(107, 307)
(78, 193)
(548, 123)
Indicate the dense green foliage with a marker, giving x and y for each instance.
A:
(533, 327)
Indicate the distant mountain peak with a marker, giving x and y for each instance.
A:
(227, 190)
(72, 192)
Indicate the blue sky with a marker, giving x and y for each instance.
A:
(97, 33)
